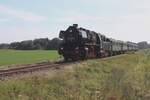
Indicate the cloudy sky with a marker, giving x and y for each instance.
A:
(127, 20)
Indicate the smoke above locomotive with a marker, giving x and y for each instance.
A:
(79, 43)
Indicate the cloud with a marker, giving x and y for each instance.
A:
(72, 17)
(16, 33)
(26, 16)
(4, 19)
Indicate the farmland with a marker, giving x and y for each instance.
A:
(125, 77)
(16, 57)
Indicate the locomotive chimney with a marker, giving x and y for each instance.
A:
(75, 25)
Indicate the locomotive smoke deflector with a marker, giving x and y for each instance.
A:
(61, 34)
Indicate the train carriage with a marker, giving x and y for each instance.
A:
(125, 47)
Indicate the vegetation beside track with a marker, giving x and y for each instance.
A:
(15, 57)
(125, 77)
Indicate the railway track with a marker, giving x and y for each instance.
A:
(38, 67)
(30, 68)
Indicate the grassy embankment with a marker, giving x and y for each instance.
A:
(124, 77)
(13, 57)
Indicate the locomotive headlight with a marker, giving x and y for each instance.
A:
(61, 48)
(86, 49)
(77, 48)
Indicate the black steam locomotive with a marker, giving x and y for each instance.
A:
(79, 44)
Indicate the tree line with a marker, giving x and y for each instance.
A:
(37, 44)
(47, 44)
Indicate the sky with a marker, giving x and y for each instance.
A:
(127, 20)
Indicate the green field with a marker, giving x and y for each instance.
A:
(12, 57)
(125, 77)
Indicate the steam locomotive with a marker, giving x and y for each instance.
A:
(79, 44)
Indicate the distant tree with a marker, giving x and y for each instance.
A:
(4, 46)
(26, 45)
(54, 44)
(41, 43)
(14, 45)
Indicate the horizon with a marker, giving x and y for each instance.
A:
(27, 20)
(58, 37)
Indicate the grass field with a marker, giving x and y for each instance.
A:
(125, 77)
(9, 57)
